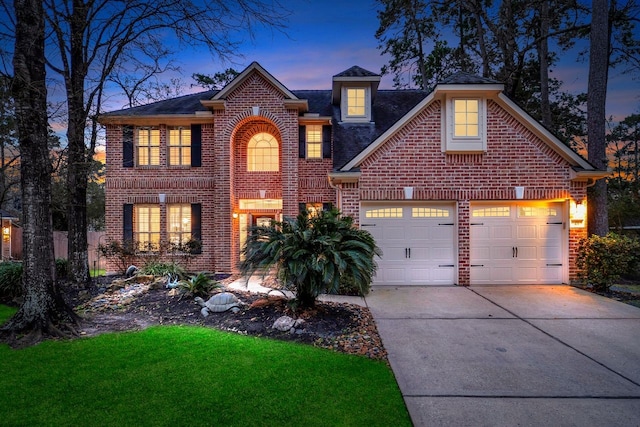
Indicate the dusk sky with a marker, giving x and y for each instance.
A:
(323, 40)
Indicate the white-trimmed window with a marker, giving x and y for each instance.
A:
(148, 146)
(465, 124)
(356, 104)
(179, 146)
(179, 223)
(263, 153)
(314, 141)
(147, 220)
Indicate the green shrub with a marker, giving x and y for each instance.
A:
(197, 286)
(157, 268)
(123, 254)
(62, 268)
(603, 260)
(312, 255)
(10, 280)
(349, 286)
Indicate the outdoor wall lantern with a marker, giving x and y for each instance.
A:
(578, 213)
(235, 215)
(408, 193)
(162, 197)
(519, 192)
(263, 194)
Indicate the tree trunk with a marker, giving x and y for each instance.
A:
(43, 310)
(543, 58)
(597, 214)
(78, 166)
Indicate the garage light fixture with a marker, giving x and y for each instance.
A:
(408, 193)
(519, 192)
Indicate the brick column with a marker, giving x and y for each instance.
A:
(464, 255)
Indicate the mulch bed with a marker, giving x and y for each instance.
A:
(341, 327)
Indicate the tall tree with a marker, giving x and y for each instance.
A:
(9, 152)
(96, 39)
(600, 42)
(43, 309)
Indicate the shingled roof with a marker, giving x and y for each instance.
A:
(462, 78)
(186, 104)
(356, 71)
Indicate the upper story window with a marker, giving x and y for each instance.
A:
(179, 146)
(263, 153)
(465, 124)
(147, 221)
(356, 99)
(356, 104)
(148, 146)
(314, 141)
(466, 118)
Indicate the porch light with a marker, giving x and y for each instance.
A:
(519, 192)
(162, 197)
(6, 231)
(235, 215)
(263, 194)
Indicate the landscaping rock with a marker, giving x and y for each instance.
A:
(284, 323)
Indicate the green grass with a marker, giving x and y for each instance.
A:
(6, 313)
(193, 376)
(96, 272)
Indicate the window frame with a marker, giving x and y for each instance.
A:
(453, 143)
(152, 229)
(184, 233)
(317, 142)
(152, 151)
(344, 105)
(183, 146)
(253, 165)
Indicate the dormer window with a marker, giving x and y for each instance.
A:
(356, 104)
(464, 124)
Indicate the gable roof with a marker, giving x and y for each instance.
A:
(468, 82)
(254, 66)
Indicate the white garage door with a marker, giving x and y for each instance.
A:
(517, 243)
(417, 243)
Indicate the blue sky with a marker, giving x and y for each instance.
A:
(324, 38)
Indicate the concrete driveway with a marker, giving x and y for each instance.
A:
(511, 355)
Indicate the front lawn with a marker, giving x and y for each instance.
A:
(183, 375)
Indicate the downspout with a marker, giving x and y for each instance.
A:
(338, 192)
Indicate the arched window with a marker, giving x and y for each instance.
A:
(262, 153)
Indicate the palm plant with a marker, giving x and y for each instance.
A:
(312, 255)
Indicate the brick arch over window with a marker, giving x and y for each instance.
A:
(248, 118)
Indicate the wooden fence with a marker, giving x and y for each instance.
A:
(94, 239)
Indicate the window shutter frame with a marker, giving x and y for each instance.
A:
(326, 142)
(127, 223)
(127, 146)
(196, 225)
(196, 146)
(302, 142)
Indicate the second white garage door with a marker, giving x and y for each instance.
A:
(417, 242)
(517, 243)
